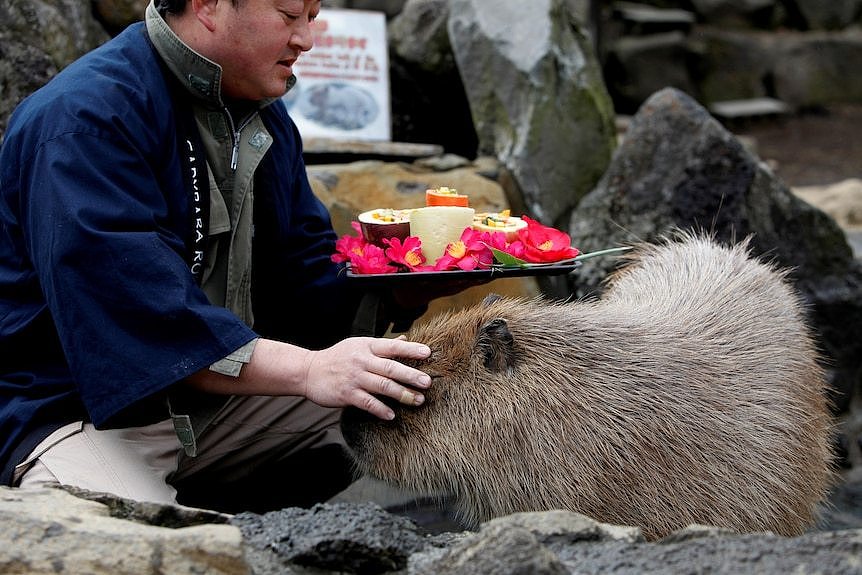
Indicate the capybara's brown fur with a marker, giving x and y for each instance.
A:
(689, 393)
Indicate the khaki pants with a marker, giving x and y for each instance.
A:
(259, 453)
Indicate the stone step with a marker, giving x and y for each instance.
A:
(750, 109)
(327, 150)
(641, 19)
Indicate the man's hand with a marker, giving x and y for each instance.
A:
(355, 370)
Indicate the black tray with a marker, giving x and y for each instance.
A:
(480, 276)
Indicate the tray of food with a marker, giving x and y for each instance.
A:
(446, 239)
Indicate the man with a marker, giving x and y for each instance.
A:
(159, 246)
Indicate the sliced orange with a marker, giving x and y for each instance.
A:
(444, 196)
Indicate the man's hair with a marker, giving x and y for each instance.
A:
(172, 6)
(177, 6)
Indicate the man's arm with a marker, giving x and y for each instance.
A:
(350, 373)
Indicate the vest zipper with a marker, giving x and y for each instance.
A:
(234, 154)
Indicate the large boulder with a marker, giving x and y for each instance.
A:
(679, 168)
(428, 99)
(538, 100)
(37, 39)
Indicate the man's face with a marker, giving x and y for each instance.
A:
(258, 43)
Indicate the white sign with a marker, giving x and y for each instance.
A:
(342, 88)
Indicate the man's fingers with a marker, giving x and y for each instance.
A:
(398, 372)
(410, 398)
(398, 392)
(399, 347)
(375, 407)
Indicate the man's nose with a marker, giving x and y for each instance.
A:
(302, 37)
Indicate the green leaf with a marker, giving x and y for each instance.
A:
(508, 259)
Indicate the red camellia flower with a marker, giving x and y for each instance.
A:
(407, 254)
(470, 252)
(348, 246)
(373, 260)
(543, 244)
(364, 257)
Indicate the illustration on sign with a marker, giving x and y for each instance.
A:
(342, 88)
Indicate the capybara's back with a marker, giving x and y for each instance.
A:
(690, 393)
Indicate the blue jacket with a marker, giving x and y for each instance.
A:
(99, 314)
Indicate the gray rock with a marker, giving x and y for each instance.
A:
(831, 553)
(559, 528)
(428, 99)
(52, 531)
(117, 14)
(638, 66)
(499, 549)
(37, 39)
(353, 538)
(734, 11)
(818, 68)
(537, 98)
(831, 15)
(731, 64)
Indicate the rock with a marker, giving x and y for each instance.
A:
(841, 200)
(51, 531)
(832, 15)
(37, 39)
(678, 168)
(343, 537)
(638, 66)
(428, 99)
(498, 549)
(818, 68)
(115, 15)
(537, 98)
(559, 528)
(738, 12)
(731, 64)
(763, 554)
(48, 530)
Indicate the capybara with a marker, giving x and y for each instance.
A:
(689, 393)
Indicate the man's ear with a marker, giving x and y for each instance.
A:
(205, 11)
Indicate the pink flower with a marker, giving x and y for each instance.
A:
(407, 254)
(364, 257)
(347, 247)
(543, 244)
(470, 252)
(372, 260)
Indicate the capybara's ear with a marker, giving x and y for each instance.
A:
(496, 345)
(491, 298)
